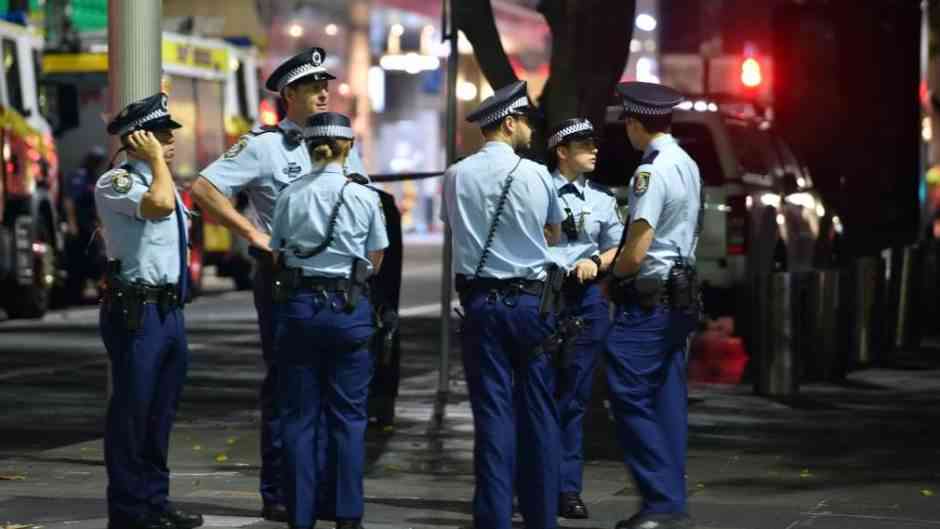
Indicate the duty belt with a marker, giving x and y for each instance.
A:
(330, 284)
(167, 294)
(466, 283)
(647, 293)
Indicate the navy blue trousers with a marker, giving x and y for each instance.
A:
(148, 369)
(575, 378)
(270, 416)
(325, 367)
(646, 376)
(514, 414)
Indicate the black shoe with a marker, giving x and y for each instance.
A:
(349, 524)
(148, 521)
(274, 512)
(182, 519)
(571, 506)
(657, 521)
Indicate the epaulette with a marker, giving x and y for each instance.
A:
(264, 129)
(599, 187)
(649, 158)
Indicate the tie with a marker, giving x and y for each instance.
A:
(570, 188)
(184, 269)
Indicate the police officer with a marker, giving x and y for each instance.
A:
(501, 208)
(141, 320)
(591, 231)
(329, 235)
(654, 311)
(263, 163)
(82, 252)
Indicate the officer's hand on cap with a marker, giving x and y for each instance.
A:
(146, 145)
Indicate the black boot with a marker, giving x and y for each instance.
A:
(571, 506)
(182, 519)
(274, 512)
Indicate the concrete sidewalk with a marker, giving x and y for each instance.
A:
(863, 455)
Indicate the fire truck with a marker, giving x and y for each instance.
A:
(31, 243)
(213, 93)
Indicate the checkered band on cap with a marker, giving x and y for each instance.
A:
(328, 131)
(631, 107)
(156, 114)
(503, 112)
(301, 71)
(558, 137)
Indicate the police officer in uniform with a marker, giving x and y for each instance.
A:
(263, 163)
(141, 320)
(656, 309)
(591, 231)
(329, 235)
(501, 208)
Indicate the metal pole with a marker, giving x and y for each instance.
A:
(443, 381)
(134, 58)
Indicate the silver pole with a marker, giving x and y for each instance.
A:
(134, 58)
(443, 381)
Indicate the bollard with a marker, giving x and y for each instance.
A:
(778, 374)
(860, 300)
(819, 352)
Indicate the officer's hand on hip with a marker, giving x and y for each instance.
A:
(585, 270)
(145, 145)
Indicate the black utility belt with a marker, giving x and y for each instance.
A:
(290, 281)
(166, 295)
(329, 284)
(648, 293)
(467, 283)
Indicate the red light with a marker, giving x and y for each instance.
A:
(268, 115)
(751, 75)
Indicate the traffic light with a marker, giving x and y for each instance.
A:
(751, 75)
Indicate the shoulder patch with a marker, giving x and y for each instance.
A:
(236, 148)
(649, 158)
(641, 182)
(121, 181)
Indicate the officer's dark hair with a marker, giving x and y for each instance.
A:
(654, 124)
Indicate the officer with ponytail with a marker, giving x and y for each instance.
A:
(329, 236)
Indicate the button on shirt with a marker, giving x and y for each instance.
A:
(263, 165)
(595, 214)
(667, 197)
(148, 249)
(472, 189)
(301, 219)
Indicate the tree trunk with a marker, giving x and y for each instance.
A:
(590, 48)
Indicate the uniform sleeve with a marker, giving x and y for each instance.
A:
(354, 163)
(611, 227)
(378, 234)
(122, 192)
(237, 168)
(648, 193)
(555, 212)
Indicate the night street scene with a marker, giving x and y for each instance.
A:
(475, 264)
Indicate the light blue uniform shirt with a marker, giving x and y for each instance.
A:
(263, 165)
(471, 191)
(148, 249)
(664, 191)
(595, 214)
(301, 218)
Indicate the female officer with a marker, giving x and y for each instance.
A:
(329, 235)
(591, 232)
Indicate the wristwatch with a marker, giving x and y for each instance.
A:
(597, 260)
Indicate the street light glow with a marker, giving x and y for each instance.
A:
(646, 22)
(331, 30)
(466, 91)
(295, 30)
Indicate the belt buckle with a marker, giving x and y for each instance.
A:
(511, 295)
(340, 296)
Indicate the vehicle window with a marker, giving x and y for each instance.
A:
(698, 142)
(754, 149)
(11, 68)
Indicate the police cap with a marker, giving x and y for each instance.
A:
(570, 130)
(647, 99)
(150, 113)
(306, 64)
(512, 99)
(328, 125)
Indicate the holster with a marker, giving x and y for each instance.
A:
(554, 344)
(552, 300)
(683, 289)
(386, 327)
(358, 283)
